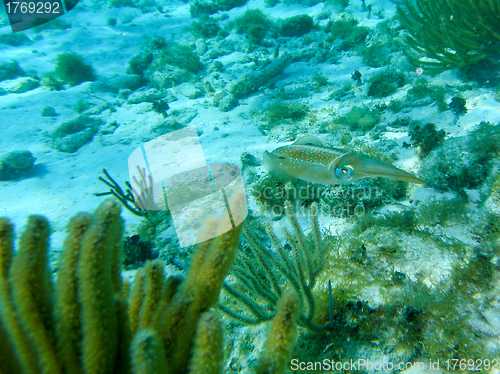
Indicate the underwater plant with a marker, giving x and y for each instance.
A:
(426, 138)
(457, 105)
(136, 252)
(207, 27)
(463, 162)
(347, 31)
(297, 25)
(139, 63)
(255, 24)
(280, 112)
(360, 118)
(449, 34)
(386, 83)
(319, 81)
(72, 69)
(126, 198)
(262, 275)
(49, 111)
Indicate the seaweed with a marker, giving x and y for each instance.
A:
(360, 118)
(207, 27)
(139, 63)
(319, 81)
(347, 31)
(280, 112)
(254, 24)
(385, 83)
(72, 69)
(426, 138)
(463, 162)
(136, 252)
(457, 105)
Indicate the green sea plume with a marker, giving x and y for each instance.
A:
(449, 34)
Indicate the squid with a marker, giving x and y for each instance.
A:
(308, 159)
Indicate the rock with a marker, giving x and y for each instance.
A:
(118, 82)
(170, 76)
(282, 133)
(48, 111)
(10, 70)
(12, 164)
(148, 96)
(20, 85)
(228, 102)
(457, 164)
(177, 119)
(252, 81)
(218, 97)
(74, 134)
(189, 90)
(247, 159)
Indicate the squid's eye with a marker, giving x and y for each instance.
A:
(344, 172)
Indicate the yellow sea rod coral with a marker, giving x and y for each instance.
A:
(84, 323)
(281, 336)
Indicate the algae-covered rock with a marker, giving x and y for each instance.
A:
(166, 64)
(247, 159)
(177, 119)
(252, 81)
(20, 85)
(145, 96)
(10, 70)
(282, 133)
(463, 162)
(228, 102)
(12, 164)
(115, 83)
(451, 167)
(426, 138)
(190, 91)
(24, 85)
(361, 118)
(74, 134)
(168, 77)
(15, 40)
